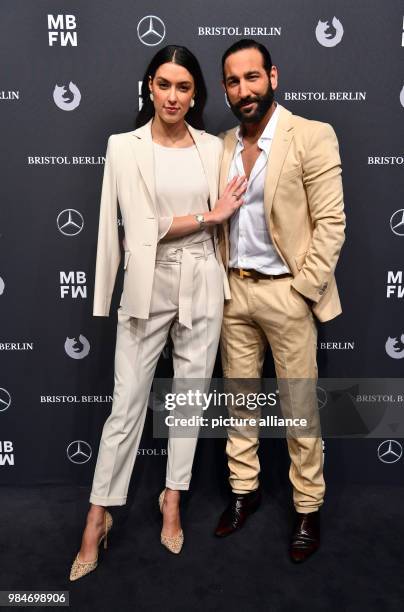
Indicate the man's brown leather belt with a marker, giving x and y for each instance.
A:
(257, 275)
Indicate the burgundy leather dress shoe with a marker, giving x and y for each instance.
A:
(306, 536)
(237, 512)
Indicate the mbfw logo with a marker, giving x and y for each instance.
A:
(390, 451)
(395, 347)
(395, 286)
(73, 284)
(151, 30)
(5, 399)
(77, 349)
(2, 286)
(70, 222)
(6, 452)
(67, 97)
(61, 30)
(329, 35)
(79, 451)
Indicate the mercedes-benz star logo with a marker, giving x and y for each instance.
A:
(151, 30)
(79, 451)
(321, 397)
(390, 451)
(402, 96)
(5, 399)
(70, 222)
(397, 222)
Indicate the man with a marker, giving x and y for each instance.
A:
(280, 249)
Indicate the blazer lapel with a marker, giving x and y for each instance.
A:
(203, 152)
(142, 147)
(279, 148)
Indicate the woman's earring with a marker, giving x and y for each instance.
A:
(151, 96)
(192, 103)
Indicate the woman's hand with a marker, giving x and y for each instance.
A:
(231, 199)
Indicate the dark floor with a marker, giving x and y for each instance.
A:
(359, 567)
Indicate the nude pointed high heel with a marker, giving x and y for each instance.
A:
(172, 543)
(81, 568)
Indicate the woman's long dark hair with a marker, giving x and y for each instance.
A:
(183, 57)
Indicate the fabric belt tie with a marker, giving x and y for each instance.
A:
(186, 256)
(186, 287)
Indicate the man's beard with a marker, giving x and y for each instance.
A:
(263, 104)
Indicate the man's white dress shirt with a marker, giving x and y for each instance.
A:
(251, 246)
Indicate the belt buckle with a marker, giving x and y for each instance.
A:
(245, 273)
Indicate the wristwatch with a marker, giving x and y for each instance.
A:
(201, 221)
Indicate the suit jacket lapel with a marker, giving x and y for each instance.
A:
(230, 141)
(142, 147)
(279, 148)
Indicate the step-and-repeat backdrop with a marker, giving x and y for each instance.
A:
(70, 77)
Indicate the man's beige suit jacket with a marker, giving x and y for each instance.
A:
(304, 206)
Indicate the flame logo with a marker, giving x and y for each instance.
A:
(74, 351)
(393, 350)
(329, 35)
(59, 94)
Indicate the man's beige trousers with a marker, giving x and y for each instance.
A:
(188, 287)
(272, 311)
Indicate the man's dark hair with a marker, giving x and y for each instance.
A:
(248, 43)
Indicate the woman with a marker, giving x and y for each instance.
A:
(165, 175)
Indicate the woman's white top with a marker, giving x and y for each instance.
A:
(181, 189)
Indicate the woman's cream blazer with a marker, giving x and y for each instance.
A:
(129, 180)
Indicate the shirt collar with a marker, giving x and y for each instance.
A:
(267, 134)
